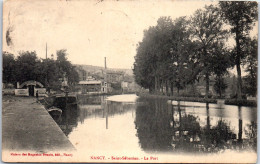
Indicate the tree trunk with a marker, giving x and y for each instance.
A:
(151, 89)
(220, 92)
(172, 116)
(161, 86)
(155, 83)
(158, 84)
(208, 118)
(238, 60)
(193, 89)
(180, 120)
(207, 85)
(240, 124)
(167, 89)
(240, 131)
(239, 79)
(171, 88)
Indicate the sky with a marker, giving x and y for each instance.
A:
(89, 30)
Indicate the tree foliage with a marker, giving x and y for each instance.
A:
(163, 55)
(250, 80)
(220, 86)
(8, 68)
(27, 66)
(207, 29)
(241, 15)
(174, 54)
(66, 68)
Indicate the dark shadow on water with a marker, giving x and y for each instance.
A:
(165, 127)
(88, 107)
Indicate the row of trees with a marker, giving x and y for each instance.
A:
(174, 54)
(27, 66)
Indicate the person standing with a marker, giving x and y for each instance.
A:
(37, 96)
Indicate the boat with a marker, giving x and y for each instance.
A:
(54, 111)
(60, 100)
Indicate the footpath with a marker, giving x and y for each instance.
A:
(27, 126)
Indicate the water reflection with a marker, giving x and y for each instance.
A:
(180, 128)
(89, 107)
(68, 119)
(153, 125)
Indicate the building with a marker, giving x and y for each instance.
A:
(129, 87)
(29, 88)
(93, 86)
(114, 77)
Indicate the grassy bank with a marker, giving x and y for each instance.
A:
(243, 102)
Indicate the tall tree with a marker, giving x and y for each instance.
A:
(251, 68)
(207, 29)
(49, 73)
(241, 15)
(162, 41)
(26, 66)
(9, 73)
(145, 61)
(181, 51)
(66, 68)
(221, 61)
(163, 54)
(152, 55)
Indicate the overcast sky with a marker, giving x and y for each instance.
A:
(88, 30)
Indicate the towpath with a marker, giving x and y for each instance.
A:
(26, 125)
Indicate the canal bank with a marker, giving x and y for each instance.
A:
(27, 126)
(242, 102)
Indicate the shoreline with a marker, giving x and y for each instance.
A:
(243, 102)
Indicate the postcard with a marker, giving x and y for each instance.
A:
(129, 81)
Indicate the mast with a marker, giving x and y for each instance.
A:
(105, 63)
(105, 78)
(46, 50)
(46, 81)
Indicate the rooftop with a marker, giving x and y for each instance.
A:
(90, 82)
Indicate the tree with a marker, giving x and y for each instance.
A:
(221, 61)
(9, 72)
(73, 76)
(49, 73)
(163, 44)
(181, 51)
(251, 68)
(150, 61)
(241, 15)
(220, 86)
(66, 68)
(162, 56)
(207, 29)
(26, 67)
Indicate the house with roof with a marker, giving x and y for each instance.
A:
(93, 86)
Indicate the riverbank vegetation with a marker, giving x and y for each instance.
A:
(178, 54)
(27, 66)
(228, 101)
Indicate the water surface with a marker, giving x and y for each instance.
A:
(127, 124)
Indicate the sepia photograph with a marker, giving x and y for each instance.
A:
(129, 81)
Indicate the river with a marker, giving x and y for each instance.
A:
(126, 123)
